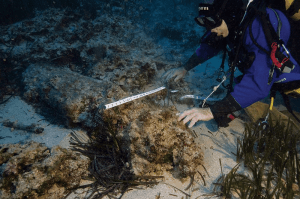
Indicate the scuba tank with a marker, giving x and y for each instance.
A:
(290, 7)
(293, 9)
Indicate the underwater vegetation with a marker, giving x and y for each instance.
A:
(270, 154)
(135, 144)
(109, 167)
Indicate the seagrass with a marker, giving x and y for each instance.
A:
(271, 157)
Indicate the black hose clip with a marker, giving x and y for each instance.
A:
(221, 73)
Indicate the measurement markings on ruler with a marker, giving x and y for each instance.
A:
(128, 99)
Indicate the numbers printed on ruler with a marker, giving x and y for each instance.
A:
(128, 99)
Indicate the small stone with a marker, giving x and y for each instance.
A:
(295, 187)
(39, 130)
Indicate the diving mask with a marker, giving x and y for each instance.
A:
(208, 17)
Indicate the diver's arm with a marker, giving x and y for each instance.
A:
(193, 61)
(203, 53)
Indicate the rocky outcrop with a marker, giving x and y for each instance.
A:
(155, 140)
(34, 171)
(77, 97)
(73, 95)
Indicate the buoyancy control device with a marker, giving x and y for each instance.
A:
(281, 61)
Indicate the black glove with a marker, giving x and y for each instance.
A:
(223, 108)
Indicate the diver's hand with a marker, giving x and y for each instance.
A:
(196, 114)
(178, 73)
(221, 30)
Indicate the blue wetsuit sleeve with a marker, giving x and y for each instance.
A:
(254, 85)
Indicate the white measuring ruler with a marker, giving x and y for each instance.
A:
(129, 99)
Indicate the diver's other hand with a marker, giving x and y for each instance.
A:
(178, 73)
(221, 30)
(196, 114)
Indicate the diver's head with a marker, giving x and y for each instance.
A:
(219, 15)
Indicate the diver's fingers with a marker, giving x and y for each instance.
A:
(215, 30)
(193, 121)
(188, 118)
(169, 72)
(181, 116)
(165, 74)
(169, 76)
(185, 113)
(178, 77)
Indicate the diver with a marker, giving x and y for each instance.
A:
(254, 36)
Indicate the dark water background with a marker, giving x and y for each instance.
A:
(169, 19)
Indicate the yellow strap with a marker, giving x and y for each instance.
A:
(295, 90)
(272, 103)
